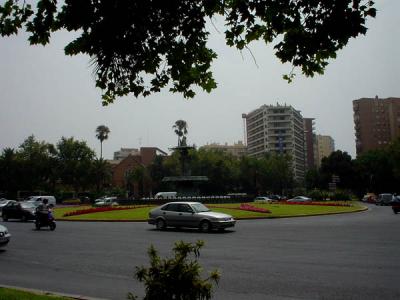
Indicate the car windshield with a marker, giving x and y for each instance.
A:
(198, 207)
(28, 205)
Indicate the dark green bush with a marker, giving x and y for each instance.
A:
(341, 195)
(177, 277)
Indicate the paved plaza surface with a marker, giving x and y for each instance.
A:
(347, 256)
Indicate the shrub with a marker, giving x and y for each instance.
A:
(177, 277)
(318, 195)
(341, 195)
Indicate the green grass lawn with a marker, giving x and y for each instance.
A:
(277, 210)
(11, 294)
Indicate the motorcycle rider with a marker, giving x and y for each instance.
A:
(43, 209)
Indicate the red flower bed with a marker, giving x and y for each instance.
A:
(243, 206)
(96, 210)
(316, 203)
(248, 207)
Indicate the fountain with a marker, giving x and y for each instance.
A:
(185, 184)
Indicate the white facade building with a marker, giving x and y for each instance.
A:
(278, 129)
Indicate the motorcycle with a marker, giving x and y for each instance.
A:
(45, 219)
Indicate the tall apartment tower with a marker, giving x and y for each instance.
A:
(376, 122)
(309, 140)
(277, 129)
(324, 146)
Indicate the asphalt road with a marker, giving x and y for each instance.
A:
(348, 256)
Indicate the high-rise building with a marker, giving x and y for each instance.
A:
(277, 129)
(309, 141)
(324, 146)
(376, 122)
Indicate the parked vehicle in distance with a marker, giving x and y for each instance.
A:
(300, 199)
(275, 197)
(51, 200)
(263, 199)
(4, 202)
(23, 211)
(369, 198)
(106, 201)
(384, 199)
(5, 236)
(189, 214)
(165, 195)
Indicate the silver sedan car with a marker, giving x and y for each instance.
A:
(189, 214)
(4, 236)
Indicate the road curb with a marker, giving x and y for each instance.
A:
(50, 293)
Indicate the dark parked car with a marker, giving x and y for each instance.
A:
(396, 204)
(4, 202)
(23, 211)
(384, 199)
(189, 214)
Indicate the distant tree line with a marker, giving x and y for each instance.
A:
(376, 171)
(72, 166)
(39, 166)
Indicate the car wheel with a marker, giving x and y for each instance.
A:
(205, 226)
(5, 218)
(160, 224)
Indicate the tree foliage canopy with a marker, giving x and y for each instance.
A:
(102, 132)
(37, 165)
(141, 47)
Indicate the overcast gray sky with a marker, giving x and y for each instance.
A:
(50, 95)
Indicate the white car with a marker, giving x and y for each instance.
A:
(106, 201)
(262, 199)
(300, 199)
(36, 200)
(4, 236)
(165, 195)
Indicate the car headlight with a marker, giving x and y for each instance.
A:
(2, 234)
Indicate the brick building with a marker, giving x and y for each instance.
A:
(376, 122)
(121, 169)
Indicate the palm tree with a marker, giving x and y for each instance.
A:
(180, 130)
(102, 132)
